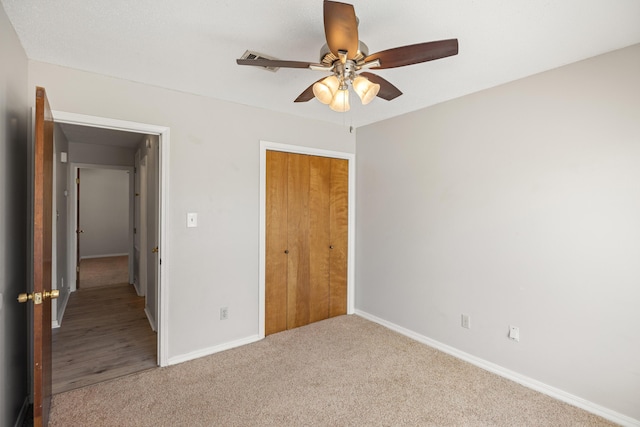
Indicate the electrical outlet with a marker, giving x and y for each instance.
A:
(514, 333)
(224, 313)
(466, 321)
(192, 219)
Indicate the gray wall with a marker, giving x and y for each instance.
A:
(13, 224)
(104, 212)
(214, 170)
(61, 216)
(85, 152)
(518, 205)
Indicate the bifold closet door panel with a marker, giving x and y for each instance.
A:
(298, 265)
(276, 242)
(339, 226)
(306, 239)
(319, 236)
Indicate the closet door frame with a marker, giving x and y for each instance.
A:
(351, 158)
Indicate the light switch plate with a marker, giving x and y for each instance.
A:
(192, 219)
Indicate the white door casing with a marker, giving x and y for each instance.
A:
(264, 146)
(161, 207)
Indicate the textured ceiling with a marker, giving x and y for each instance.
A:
(192, 45)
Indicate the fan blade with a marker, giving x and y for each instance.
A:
(341, 28)
(387, 90)
(273, 63)
(414, 54)
(308, 95)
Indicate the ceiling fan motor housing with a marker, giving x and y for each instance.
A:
(328, 58)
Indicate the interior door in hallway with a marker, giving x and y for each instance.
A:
(306, 239)
(79, 229)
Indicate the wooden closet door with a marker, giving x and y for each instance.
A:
(339, 229)
(276, 242)
(319, 236)
(298, 263)
(306, 239)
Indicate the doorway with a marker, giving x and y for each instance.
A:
(350, 157)
(104, 225)
(306, 240)
(161, 135)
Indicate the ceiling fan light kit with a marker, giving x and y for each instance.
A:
(345, 55)
(366, 90)
(340, 101)
(325, 89)
(335, 93)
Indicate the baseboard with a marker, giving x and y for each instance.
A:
(103, 256)
(23, 413)
(506, 373)
(212, 350)
(151, 319)
(63, 306)
(136, 287)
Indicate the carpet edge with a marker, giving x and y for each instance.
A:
(523, 380)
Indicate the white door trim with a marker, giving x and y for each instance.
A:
(163, 133)
(73, 243)
(351, 157)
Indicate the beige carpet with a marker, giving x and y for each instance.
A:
(95, 272)
(344, 371)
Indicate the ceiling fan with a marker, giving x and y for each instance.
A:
(344, 56)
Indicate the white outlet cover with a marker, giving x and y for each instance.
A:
(514, 333)
(466, 321)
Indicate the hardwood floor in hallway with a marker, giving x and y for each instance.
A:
(105, 334)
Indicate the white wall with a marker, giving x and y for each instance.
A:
(13, 223)
(518, 205)
(214, 171)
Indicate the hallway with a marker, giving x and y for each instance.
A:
(105, 334)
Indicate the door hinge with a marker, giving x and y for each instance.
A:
(77, 180)
(77, 269)
(135, 169)
(135, 230)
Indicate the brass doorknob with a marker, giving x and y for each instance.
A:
(331, 247)
(38, 297)
(22, 298)
(53, 294)
(286, 251)
(155, 250)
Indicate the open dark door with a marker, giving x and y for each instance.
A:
(42, 294)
